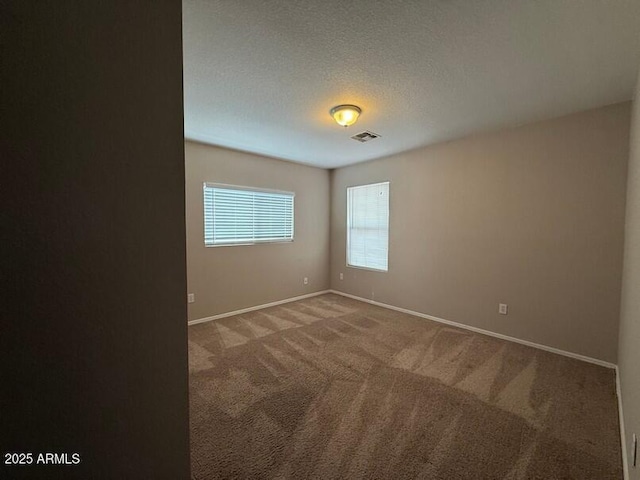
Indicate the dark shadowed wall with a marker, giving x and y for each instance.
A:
(93, 330)
(629, 354)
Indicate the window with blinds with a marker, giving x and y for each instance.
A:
(368, 226)
(244, 215)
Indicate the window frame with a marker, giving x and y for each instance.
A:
(348, 228)
(247, 188)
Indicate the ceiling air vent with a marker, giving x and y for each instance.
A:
(365, 136)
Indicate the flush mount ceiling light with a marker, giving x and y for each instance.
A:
(345, 115)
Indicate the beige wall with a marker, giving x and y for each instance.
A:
(225, 279)
(532, 217)
(629, 355)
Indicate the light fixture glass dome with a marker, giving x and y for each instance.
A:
(345, 115)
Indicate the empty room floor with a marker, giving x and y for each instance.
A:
(330, 387)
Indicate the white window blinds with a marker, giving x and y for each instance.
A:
(243, 215)
(368, 226)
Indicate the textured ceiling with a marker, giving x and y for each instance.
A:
(261, 76)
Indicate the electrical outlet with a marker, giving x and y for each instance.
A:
(634, 451)
(341, 276)
(503, 308)
(191, 298)
(305, 281)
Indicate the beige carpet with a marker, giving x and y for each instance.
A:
(329, 388)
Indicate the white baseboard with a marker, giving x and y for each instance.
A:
(257, 307)
(577, 356)
(623, 437)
